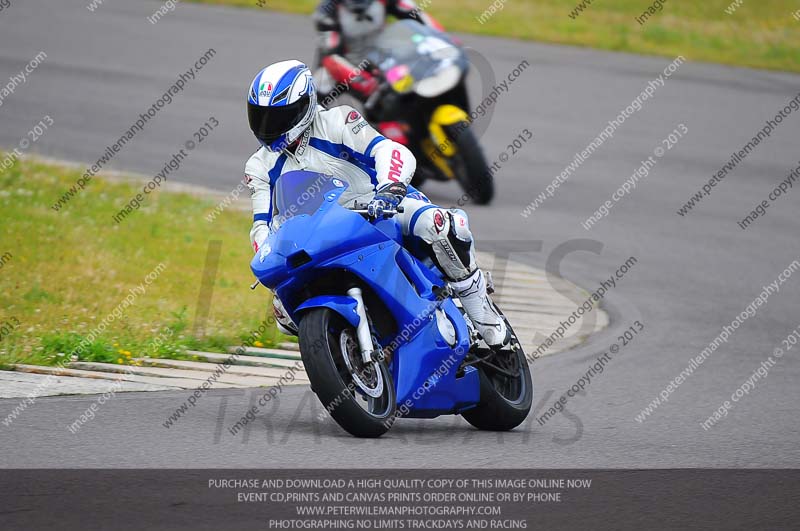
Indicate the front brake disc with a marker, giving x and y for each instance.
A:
(367, 378)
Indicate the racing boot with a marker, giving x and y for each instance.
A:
(481, 310)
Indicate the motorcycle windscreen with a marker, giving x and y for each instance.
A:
(428, 59)
(301, 192)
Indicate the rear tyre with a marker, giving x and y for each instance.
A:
(470, 165)
(505, 400)
(361, 399)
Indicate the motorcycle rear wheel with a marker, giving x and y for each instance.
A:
(505, 401)
(324, 336)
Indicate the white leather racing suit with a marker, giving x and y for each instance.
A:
(342, 144)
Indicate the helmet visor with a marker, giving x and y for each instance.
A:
(268, 123)
(357, 6)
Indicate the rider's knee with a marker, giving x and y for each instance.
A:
(460, 224)
(437, 223)
(448, 234)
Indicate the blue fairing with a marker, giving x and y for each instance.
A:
(341, 304)
(329, 241)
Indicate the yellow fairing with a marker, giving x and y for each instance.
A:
(437, 158)
(445, 115)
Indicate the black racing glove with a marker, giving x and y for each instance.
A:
(387, 197)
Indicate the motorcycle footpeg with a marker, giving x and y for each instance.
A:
(442, 292)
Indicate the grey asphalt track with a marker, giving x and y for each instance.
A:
(694, 273)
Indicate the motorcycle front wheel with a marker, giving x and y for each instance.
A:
(469, 164)
(360, 397)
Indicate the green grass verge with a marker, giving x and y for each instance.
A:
(761, 34)
(63, 272)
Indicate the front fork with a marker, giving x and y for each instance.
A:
(362, 332)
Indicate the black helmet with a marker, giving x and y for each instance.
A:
(357, 6)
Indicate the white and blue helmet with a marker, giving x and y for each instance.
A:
(281, 104)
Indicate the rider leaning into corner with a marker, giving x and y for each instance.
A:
(298, 134)
(346, 28)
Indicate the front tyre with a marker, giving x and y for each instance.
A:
(469, 164)
(506, 389)
(360, 398)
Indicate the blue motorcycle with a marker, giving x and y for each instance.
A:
(381, 336)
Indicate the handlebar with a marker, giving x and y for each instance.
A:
(387, 213)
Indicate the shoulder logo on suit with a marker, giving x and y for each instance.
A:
(355, 118)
